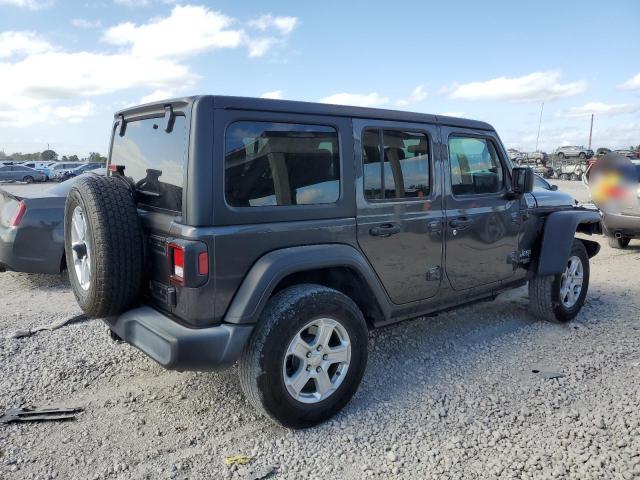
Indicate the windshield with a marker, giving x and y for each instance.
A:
(154, 160)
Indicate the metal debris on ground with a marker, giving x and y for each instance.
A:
(51, 326)
(549, 374)
(43, 414)
(236, 460)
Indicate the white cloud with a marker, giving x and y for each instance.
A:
(535, 87)
(157, 96)
(284, 24)
(188, 30)
(74, 113)
(21, 43)
(358, 99)
(275, 94)
(632, 84)
(417, 95)
(600, 109)
(197, 29)
(84, 23)
(42, 79)
(30, 4)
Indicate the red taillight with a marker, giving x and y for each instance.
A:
(203, 263)
(17, 217)
(176, 263)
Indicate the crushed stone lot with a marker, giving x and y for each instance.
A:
(464, 394)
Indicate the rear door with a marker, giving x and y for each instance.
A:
(482, 224)
(400, 206)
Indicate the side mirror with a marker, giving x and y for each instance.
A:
(554, 187)
(522, 180)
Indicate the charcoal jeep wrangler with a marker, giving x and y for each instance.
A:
(276, 234)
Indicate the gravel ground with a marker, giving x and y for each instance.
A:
(453, 396)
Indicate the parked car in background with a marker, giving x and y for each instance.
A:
(514, 154)
(600, 152)
(628, 153)
(574, 151)
(59, 169)
(74, 172)
(569, 168)
(539, 166)
(42, 167)
(20, 173)
(31, 229)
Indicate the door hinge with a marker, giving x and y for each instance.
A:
(434, 273)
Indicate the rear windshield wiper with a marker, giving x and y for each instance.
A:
(148, 193)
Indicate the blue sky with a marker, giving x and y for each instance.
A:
(65, 67)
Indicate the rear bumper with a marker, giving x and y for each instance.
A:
(177, 347)
(627, 225)
(29, 250)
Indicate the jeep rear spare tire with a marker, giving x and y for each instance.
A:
(103, 245)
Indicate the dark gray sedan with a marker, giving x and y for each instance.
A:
(20, 173)
(32, 229)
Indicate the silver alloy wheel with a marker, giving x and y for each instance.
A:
(571, 282)
(80, 248)
(317, 360)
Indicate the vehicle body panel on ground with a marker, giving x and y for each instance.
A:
(253, 210)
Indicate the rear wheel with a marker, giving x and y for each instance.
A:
(564, 176)
(561, 155)
(103, 245)
(582, 155)
(560, 297)
(618, 243)
(28, 179)
(574, 177)
(306, 357)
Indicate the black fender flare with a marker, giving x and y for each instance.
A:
(271, 268)
(559, 231)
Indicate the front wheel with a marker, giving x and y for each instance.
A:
(560, 297)
(564, 176)
(618, 242)
(582, 155)
(306, 357)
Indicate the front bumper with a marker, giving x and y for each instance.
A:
(177, 347)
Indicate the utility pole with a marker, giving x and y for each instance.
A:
(591, 131)
(539, 125)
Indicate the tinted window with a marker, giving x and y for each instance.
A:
(475, 166)
(281, 164)
(154, 160)
(404, 173)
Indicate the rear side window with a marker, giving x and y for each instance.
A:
(281, 164)
(154, 160)
(395, 164)
(475, 166)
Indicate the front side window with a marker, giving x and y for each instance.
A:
(475, 166)
(154, 160)
(395, 164)
(281, 164)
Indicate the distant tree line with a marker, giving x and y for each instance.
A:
(51, 156)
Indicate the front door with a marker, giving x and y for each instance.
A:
(482, 221)
(399, 201)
